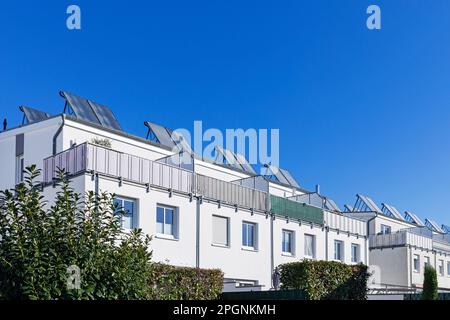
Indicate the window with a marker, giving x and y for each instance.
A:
(385, 229)
(355, 252)
(166, 221)
(427, 261)
(448, 268)
(287, 242)
(220, 229)
(416, 263)
(249, 235)
(20, 166)
(310, 246)
(128, 207)
(338, 250)
(441, 268)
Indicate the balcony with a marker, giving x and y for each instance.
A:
(407, 237)
(88, 157)
(296, 210)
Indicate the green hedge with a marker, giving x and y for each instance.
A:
(182, 283)
(296, 210)
(326, 280)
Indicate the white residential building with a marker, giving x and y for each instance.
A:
(206, 214)
(400, 245)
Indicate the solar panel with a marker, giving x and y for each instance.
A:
(180, 141)
(105, 116)
(411, 217)
(289, 178)
(445, 228)
(32, 115)
(391, 211)
(162, 134)
(91, 111)
(278, 175)
(331, 205)
(433, 225)
(369, 203)
(245, 164)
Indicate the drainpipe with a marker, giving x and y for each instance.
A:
(272, 260)
(55, 137)
(197, 234)
(367, 239)
(327, 229)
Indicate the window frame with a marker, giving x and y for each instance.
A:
(174, 225)
(416, 270)
(20, 167)
(385, 226)
(441, 265)
(358, 253)
(134, 221)
(341, 251)
(313, 246)
(291, 244)
(245, 246)
(228, 245)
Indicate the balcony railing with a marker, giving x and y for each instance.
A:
(89, 157)
(296, 210)
(400, 238)
(231, 193)
(346, 224)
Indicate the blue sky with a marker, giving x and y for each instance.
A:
(359, 111)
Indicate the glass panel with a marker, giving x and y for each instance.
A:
(244, 234)
(160, 220)
(128, 206)
(251, 229)
(127, 221)
(168, 225)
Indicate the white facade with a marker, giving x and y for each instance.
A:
(196, 218)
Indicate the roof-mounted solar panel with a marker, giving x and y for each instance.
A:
(413, 218)
(445, 228)
(31, 115)
(167, 137)
(289, 178)
(365, 204)
(105, 116)
(238, 161)
(391, 211)
(90, 111)
(433, 225)
(331, 205)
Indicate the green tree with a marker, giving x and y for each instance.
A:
(430, 284)
(43, 246)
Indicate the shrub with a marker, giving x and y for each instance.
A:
(182, 283)
(40, 244)
(326, 279)
(430, 284)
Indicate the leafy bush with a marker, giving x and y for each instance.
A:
(430, 284)
(326, 279)
(41, 246)
(182, 283)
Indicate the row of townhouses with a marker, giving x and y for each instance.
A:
(221, 213)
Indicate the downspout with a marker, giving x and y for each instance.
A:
(197, 236)
(57, 133)
(327, 229)
(367, 240)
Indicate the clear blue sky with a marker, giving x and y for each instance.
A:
(359, 111)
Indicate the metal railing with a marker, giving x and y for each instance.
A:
(400, 238)
(346, 224)
(89, 157)
(231, 193)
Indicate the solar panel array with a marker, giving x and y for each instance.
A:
(167, 137)
(433, 225)
(283, 176)
(348, 208)
(445, 228)
(234, 160)
(367, 202)
(32, 115)
(391, 211)
(411, 217)
(90, 111)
